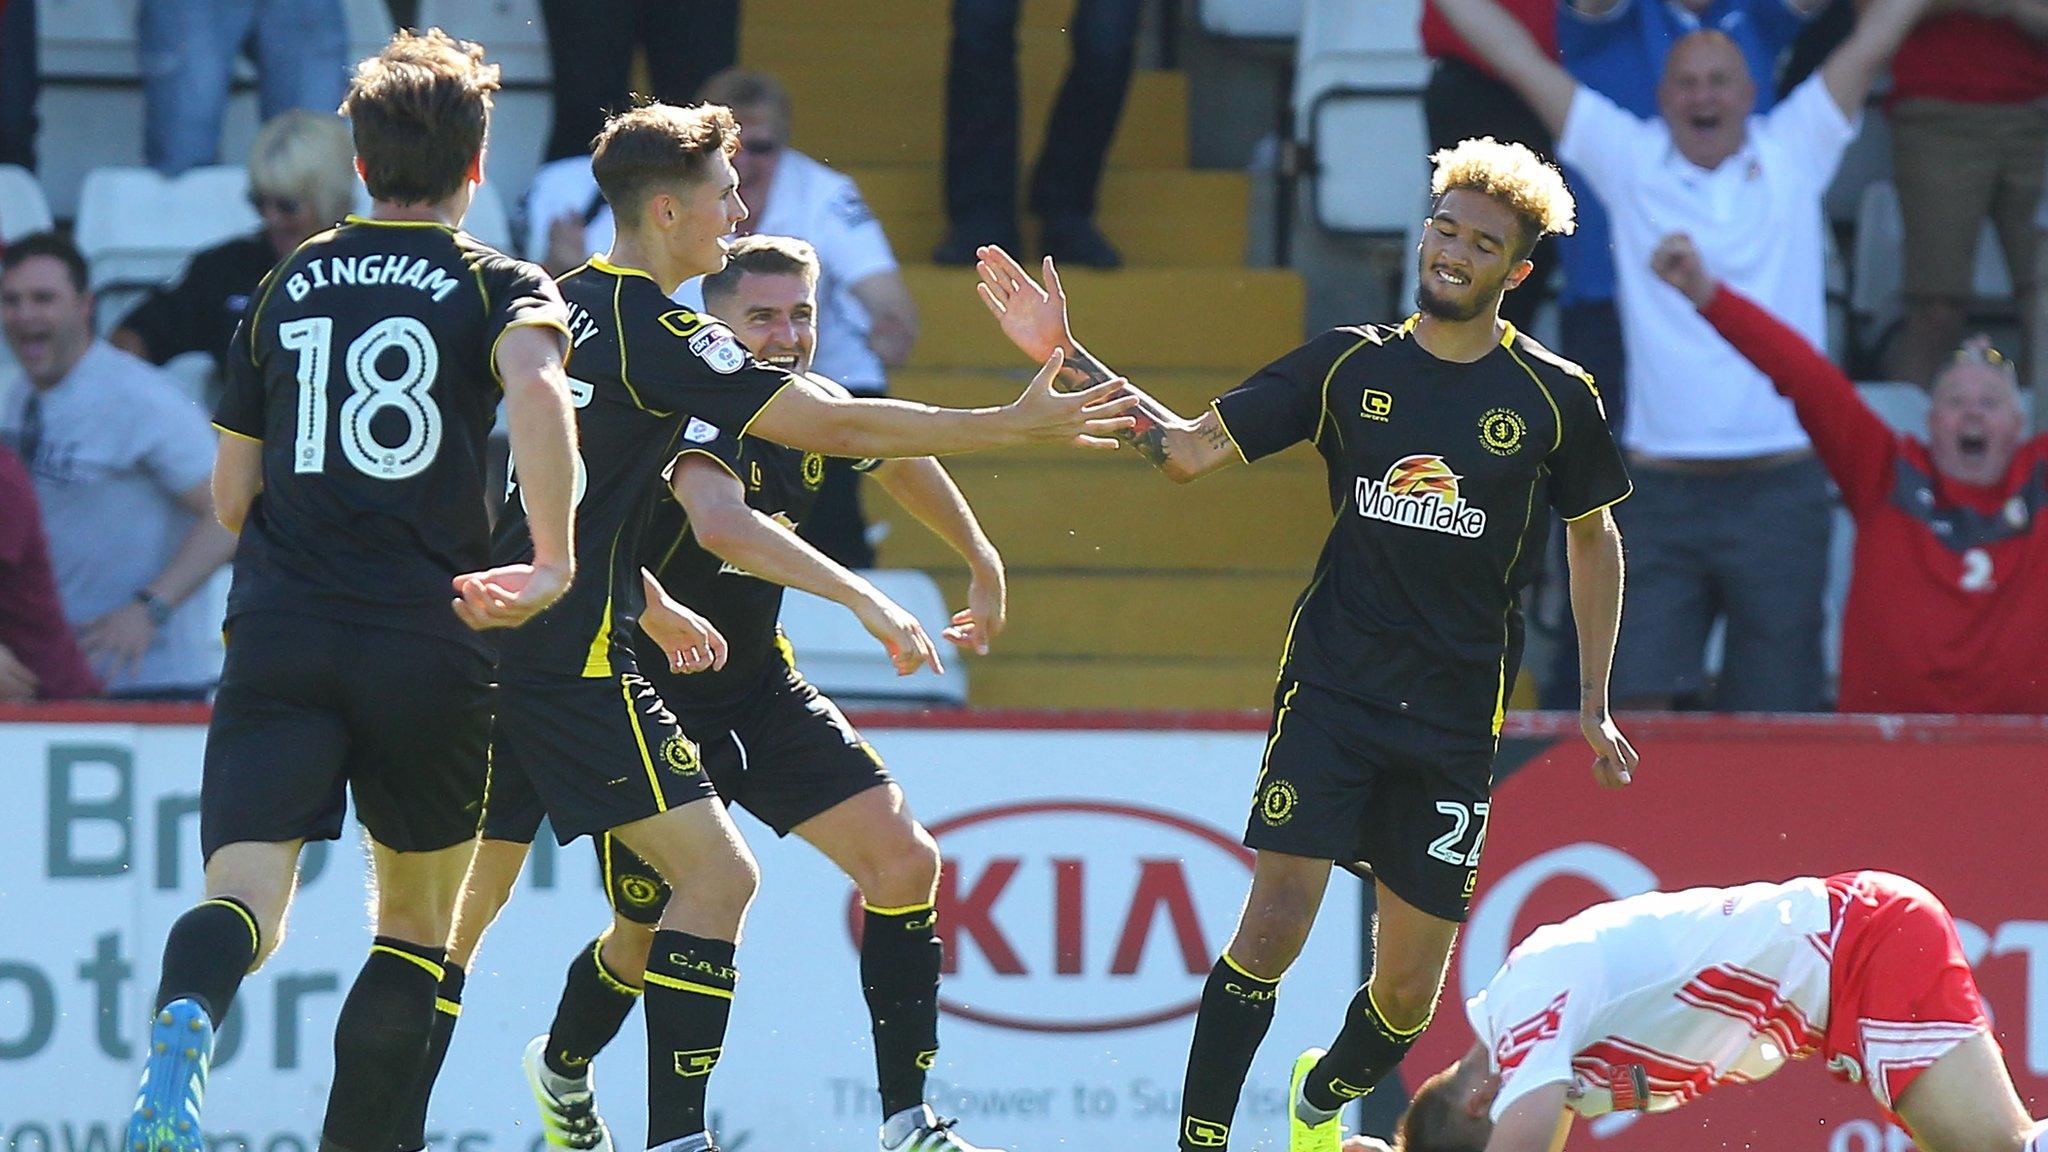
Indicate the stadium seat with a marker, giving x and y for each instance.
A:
(87, 39)
(1358, 107)
(1252, 19)
(23, 210)
(839, 656)
(511, 30)
(487, 220)
(137, 228)
(1876, 297)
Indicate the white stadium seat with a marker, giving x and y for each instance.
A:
(511, 30)
(486, 219)
(87, 38)
(839, 656)
(1358, 86)
(138, 228)
(1253, 19)
(1876, 292)
(23, 210)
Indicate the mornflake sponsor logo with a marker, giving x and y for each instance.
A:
(1421, 492)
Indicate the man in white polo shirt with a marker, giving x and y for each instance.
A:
(1731, 511)
(121, 460)
(867, 321)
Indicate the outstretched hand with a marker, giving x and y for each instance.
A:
(509, 596)
(1089, 418)
(1033, 317)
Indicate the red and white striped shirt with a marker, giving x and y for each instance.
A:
(1647, 1002)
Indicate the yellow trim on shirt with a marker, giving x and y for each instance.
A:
(237, 435)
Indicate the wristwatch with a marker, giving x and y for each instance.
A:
(159, 609)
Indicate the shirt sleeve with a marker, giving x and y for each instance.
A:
(1604, 143)
(1530, 1018)
(850, 241)
(1586, 469)
(522, 295)
(1811, 131)
(240, 408)
(697, 366)
(178, 446)
(1282, 404)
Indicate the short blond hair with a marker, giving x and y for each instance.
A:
(1530, 187)
(309, 156)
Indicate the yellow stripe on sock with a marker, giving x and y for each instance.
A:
(447, 1007)
(421, 961)
(255, 933)
(906, 910)
(1386, 1026)
(686, 986)
(1242, 971)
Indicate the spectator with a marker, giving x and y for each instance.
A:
(982, 131)
(121, 463)
(1464, 100)
(39, 658)
(591, 45)
(301, 181)
(19, 81)
(1948, 603)
(1969, 111)
(867, 320)
(1730, 516)
(1618, 48)
(188, 50)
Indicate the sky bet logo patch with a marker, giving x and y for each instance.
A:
(1421, 492)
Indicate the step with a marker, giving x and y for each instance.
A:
(900, 14)
(1121, 684)
(1071, 513)
(1195, 615)
(1135, 318)
(1155, 216)
(846, 116)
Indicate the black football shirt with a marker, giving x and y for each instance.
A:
(645, 372)
(365, 367)
(1438, 472)
(782, 483)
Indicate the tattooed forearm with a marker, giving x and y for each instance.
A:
(1148, 440)
(1083, 368)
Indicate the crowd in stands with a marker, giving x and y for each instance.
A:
(1694, 291)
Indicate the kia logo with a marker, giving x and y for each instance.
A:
(1071, 916)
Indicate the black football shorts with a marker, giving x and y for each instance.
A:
(599, 752)
(787, 754)
(311, 709)
(1348, 782)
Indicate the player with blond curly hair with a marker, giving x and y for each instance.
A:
(1443, 435)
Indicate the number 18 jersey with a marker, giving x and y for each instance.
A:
(366, 368)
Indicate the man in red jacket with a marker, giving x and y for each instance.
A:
(1948, 604)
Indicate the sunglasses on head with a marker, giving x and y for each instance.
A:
(283, 205)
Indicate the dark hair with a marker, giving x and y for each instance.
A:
(745, 88)
(53, 246)
(421, 109)
(656, 144)
(762, 256)
(1425, 1125)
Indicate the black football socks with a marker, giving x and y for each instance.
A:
(594, 1005)
(1237, 1009)
(412, 1124)
(380, 1044)
(208, 952)
(900, 956)
(689, 996)
(1366, 1049)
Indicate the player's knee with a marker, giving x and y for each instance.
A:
(625, 950)
(904, 873)
(1406, 994)
(1274, 928)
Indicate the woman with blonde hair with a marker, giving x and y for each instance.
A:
(301, 180)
